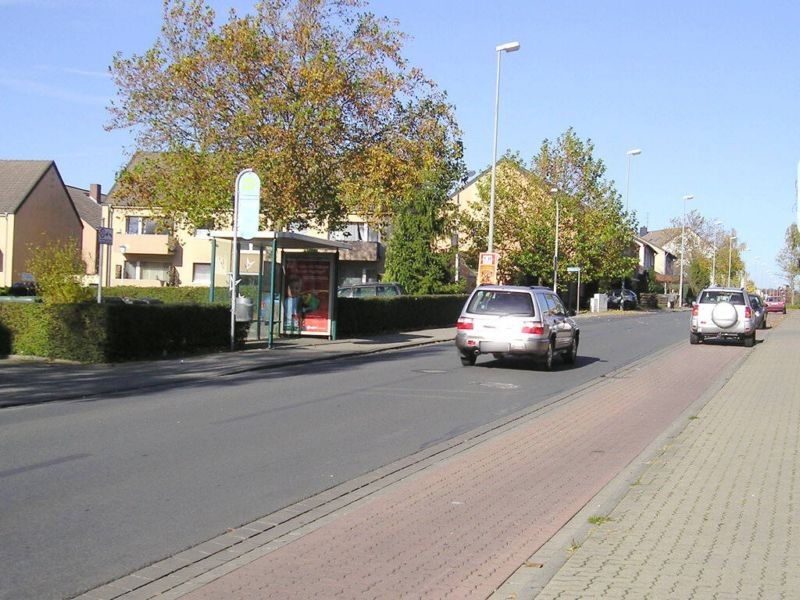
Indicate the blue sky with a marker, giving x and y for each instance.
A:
(708, 90)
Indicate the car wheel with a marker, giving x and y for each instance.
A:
(498, 355)
(694, 338)
(548, 358)
(572, 354)
(750, 341)
(468, 360)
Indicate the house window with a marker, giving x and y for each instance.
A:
(140, 226)
(201, 273)
(356, 232)
(145, 270)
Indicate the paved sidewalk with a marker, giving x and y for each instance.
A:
(717, 514)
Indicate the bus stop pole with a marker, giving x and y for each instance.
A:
(272, 290)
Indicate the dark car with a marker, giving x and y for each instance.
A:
(631, 300)
(22, 288)
(759, 311)
(370, 290)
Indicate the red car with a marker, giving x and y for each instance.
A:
(775, 304)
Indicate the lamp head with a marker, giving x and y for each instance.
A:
(508, 47)
(634, 152)
(688, 197)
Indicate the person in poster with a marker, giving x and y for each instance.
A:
(307, 296)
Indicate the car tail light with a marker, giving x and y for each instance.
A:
(695, 310)
(533, 327)
(465, 323)
(748, 314)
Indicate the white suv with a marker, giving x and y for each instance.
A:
(721, 313)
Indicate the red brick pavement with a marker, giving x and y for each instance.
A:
(460, 528)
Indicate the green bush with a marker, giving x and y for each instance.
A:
(358, 316)
(91, 332)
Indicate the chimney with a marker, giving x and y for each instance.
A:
(94, 192)
(642, 231)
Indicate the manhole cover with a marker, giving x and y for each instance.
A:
(495, 385)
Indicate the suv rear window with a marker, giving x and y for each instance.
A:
(717, 296)
(493, 302)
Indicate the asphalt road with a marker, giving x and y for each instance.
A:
(93, 489)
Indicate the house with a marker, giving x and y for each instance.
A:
(655, 258)
(36, 208)
(669, 239)
(145, 254)
(88, 204)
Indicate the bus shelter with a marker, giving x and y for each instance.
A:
(306, 295)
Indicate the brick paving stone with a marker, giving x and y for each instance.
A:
(715, 516)
(461, 527)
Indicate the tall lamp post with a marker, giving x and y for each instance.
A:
(730, 254)
(631, 154)
(554, 191)
(714, 259)
(683, 243)
(508, 47)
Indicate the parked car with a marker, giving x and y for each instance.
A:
(516, 321)
(631, 300)
(723, 313)
(370, 290)
(759, 311)
(22, 288)
(775, 304)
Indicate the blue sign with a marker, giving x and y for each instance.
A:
(248, 199)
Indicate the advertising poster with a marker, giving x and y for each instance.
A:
(307, 297)
(487, 268)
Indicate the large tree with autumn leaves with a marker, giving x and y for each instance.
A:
(313, 94)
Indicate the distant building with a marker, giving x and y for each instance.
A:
(35, 208)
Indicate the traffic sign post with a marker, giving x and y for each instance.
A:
(105, 237)
(578, 291)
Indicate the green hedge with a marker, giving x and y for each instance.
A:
(359, 316)
(114, 332)
(111, 332)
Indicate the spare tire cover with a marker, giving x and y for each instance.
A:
(724, 315)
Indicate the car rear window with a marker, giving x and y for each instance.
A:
(715, 297)
(774, 299)
(494, 302)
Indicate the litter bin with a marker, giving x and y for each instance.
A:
(244, 309)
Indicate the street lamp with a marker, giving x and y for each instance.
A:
(631, 154)
(554, 191)
(714, 259)
(730, 252)
(509, 47)
(683, 236)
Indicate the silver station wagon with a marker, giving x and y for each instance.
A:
(504, 320)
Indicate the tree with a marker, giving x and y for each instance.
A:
(57, 268)
(412, 258)
(312, 94)
(595, 233)
(789, 257)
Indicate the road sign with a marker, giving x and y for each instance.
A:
(105, 235)
(248, 194)
(573, 269)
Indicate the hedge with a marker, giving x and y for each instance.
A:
(359, 316)
(91, 332)
(111, 332)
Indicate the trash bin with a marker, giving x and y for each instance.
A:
(244, 309)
